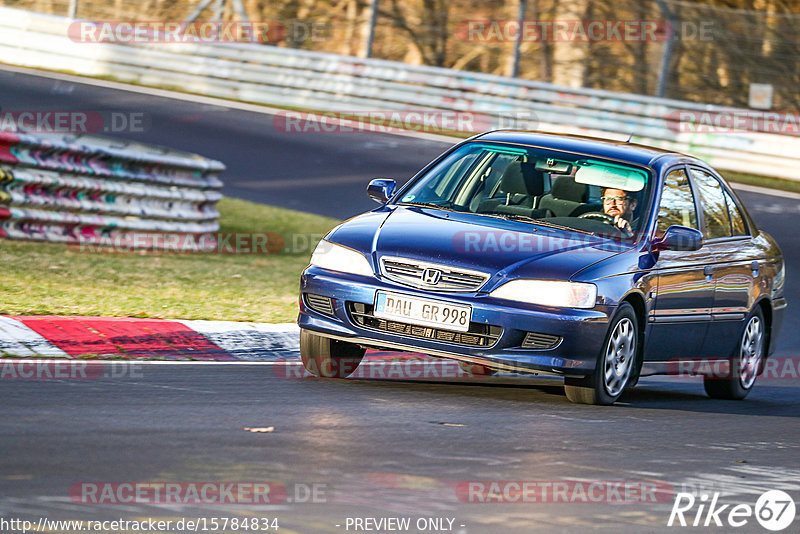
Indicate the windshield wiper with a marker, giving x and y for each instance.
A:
(541, 222)
(426, 205)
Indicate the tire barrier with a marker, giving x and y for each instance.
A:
(89, 190)
(740, 140)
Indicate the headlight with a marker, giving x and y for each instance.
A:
(338, 258)
(549, 293)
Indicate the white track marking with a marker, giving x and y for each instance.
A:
(252, 341)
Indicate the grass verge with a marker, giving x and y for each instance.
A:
(52, 279)
(762, 181)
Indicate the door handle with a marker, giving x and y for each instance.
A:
(754, 266)
(708, 270)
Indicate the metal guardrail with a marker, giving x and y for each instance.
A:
(92, 191)
(320, 81)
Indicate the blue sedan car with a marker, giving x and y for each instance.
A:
(596, 260)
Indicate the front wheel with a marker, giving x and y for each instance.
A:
(329, 358)
(616, 364)
(744, 363)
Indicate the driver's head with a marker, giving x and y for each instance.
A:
(617, 202)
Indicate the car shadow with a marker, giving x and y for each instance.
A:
(767, 400)
(773, 401)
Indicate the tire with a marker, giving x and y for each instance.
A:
(329, 358)
(617, 363)
(745, 363)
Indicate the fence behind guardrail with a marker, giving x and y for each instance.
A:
(739, 140)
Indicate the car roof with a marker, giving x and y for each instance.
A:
(618, 150)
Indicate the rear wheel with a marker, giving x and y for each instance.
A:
(329, 358)
(616, 364)
(744, 364)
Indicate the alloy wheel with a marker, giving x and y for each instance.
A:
(620, 356)
(750, 353)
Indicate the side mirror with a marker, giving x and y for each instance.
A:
(381, 189)
(679, 238)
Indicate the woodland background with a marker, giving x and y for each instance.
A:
(749, 41)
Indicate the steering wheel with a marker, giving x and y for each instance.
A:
(606, 218)
(599, 216)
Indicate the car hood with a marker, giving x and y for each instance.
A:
(502, 248)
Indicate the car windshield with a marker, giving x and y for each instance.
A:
(581, 193)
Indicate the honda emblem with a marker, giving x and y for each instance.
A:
(431, 276)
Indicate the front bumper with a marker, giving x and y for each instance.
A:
(582, 331)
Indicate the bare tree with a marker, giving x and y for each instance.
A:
(425, 22)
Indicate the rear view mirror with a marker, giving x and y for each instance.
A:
(381, 189)
(679, 238)
(613, 176)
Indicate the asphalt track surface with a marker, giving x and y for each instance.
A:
(375, 448)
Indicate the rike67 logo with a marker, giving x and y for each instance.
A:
(774, 510)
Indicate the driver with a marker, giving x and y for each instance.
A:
(620, 206)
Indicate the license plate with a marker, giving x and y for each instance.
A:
(425, 312)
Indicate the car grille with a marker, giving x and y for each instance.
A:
(479, 335)
(535, 340)
(413, 273)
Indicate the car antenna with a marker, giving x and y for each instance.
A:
(629, 138)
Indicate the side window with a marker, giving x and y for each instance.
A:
(737, 221)
(712, 200)
(677, 205)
